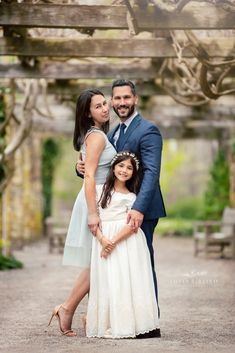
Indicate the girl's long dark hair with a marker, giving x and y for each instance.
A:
(108, 187)
(83, 122)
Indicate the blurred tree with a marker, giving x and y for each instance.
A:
(216, 197)
(50, 154)
(174, 157)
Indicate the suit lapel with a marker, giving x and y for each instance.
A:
(111, 135)
(135, 122)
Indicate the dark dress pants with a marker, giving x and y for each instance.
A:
(148, 227)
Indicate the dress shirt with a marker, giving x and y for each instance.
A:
(127, 123)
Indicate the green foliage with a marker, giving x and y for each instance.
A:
(171, 163)
(2, 117)
(217, 194)
(4, 242)
(180, 217)
(2, 172)
(175, 226)
(9, 263)
(66, 184)
(50, 154)
(183, 213)
(190, 208)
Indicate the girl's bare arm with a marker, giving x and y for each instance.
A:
(107, 245)
(123, 234)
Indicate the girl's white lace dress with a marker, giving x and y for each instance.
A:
(122, 301)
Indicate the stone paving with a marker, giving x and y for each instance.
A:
(197, 300)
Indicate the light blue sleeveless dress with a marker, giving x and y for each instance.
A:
(77, 250)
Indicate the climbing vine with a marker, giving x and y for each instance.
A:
(216, 197)
(50, 154)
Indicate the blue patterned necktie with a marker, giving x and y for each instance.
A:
(121, 136)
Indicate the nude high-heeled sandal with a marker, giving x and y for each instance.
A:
(55, 313)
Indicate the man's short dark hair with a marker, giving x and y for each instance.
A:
(120, 83)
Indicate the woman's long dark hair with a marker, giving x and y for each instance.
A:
(82, 120)
(108, 188)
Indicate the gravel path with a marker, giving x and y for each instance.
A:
(197, 300)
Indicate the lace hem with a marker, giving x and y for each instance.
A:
(123, 336)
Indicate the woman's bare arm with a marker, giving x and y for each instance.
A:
(95, 144)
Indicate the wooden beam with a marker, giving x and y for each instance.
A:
(56, 47)
(75, 71)
(69, 89)
(128, 48)
(199, 16)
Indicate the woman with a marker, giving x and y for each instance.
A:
(91, 125)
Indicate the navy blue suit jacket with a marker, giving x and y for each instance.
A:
(144, 139)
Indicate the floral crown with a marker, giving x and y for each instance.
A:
(128, 154)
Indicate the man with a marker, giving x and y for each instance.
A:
(143, 138)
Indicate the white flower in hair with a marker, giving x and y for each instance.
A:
(128, 154)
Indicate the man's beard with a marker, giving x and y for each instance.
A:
(130, 111)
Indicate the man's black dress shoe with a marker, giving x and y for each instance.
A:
(150, 334)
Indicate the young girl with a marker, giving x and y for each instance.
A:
(122, 301)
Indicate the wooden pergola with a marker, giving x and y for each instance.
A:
(180, 54)
(141, 30)
(184, 49)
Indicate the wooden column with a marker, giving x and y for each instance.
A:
(23, 199)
